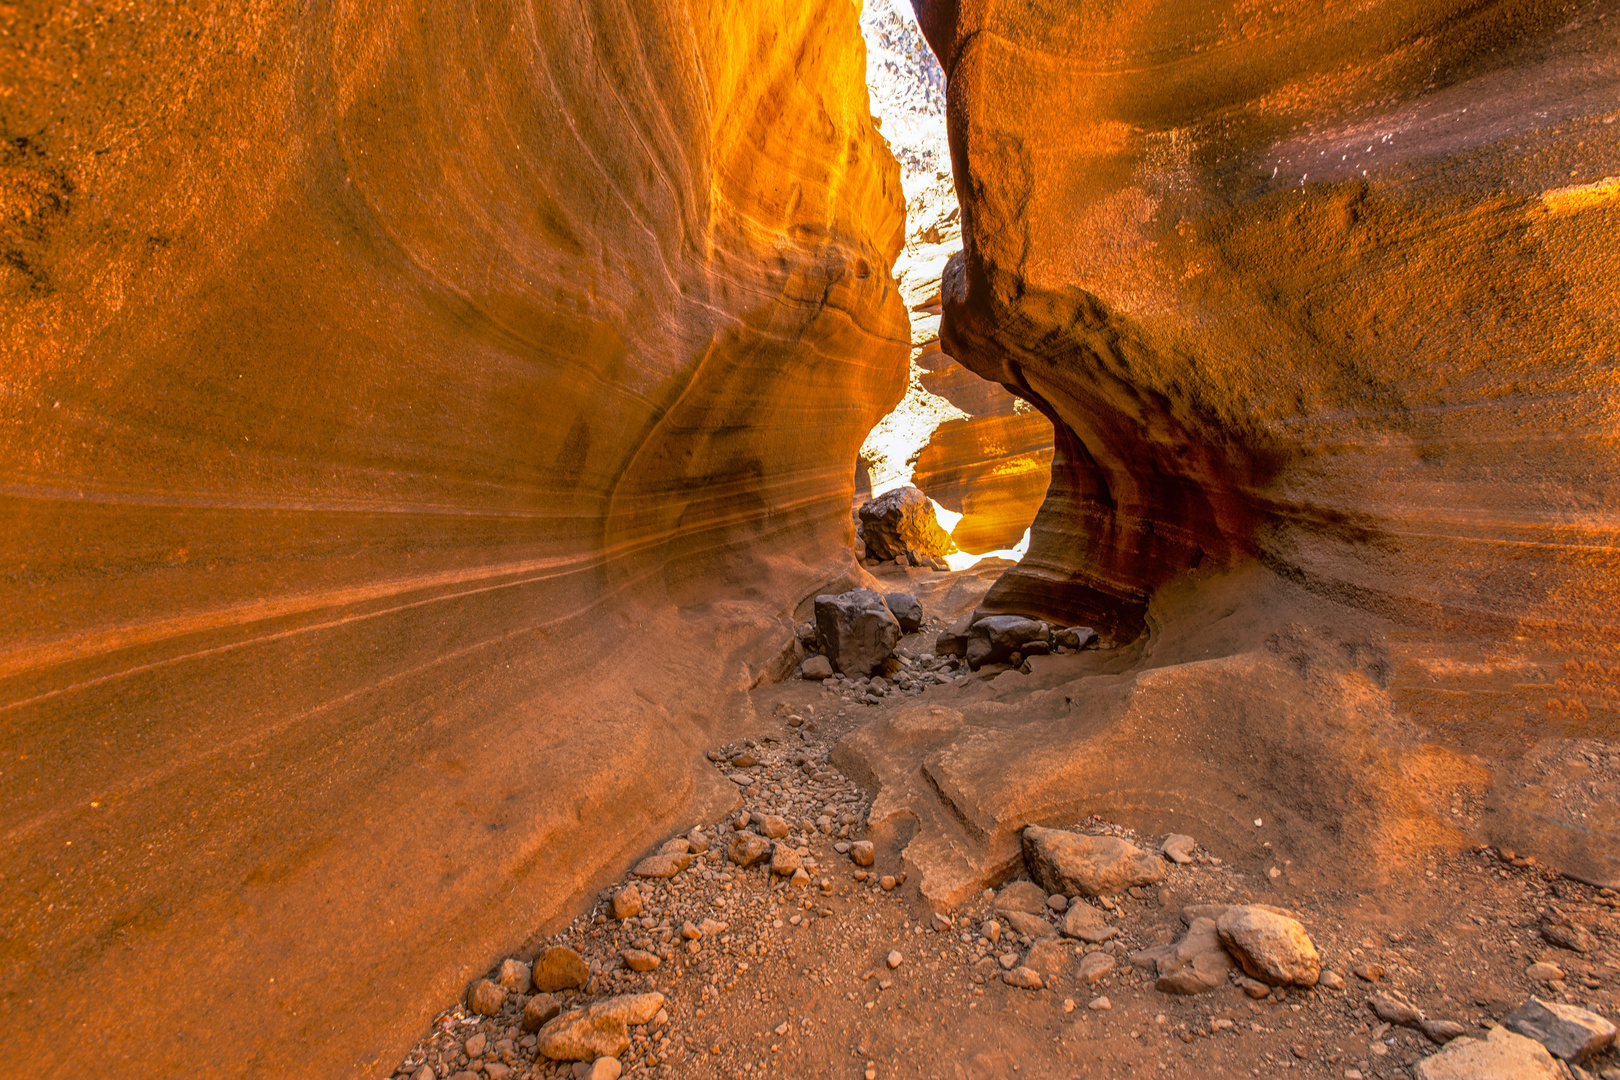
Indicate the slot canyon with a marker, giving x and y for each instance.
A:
(950, 539)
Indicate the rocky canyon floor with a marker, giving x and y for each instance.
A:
(811, 964)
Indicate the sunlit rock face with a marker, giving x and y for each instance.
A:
(953, 434)
(1329, 287)
(419, 422)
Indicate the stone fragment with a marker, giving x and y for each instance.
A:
(605, 1068)
(902, 521)
(1058, 903)
(1075, 637)
(1094, 967)
(1271, 947)
(1195, 964)
(626, 903)
(1442, 1031)
(1567, 1031)
(748, 849)
(1178, 848)
(1086, 923)
(857, 630)
(601, 1030)
(1031, 926)
(775, 827)
(861, 853)
(1253, 987)
(1007, 633)
(485, 997)
(894, 959)
(888, 883)
(676, 845)
(785, 861)
(538, 1009)
(906, 610)
(1050, 958)
(514, 976)
(1543, 972)
(474, 1046)
(699, 840)
(1023, 896)
(991, 931)
(1372, 973)
(816, 668)
(560, 968)
(1099, 1004)
(1024, 978)
(1569, 935)
(1502, 1055)
(977, 652)
(1330, 980)
(800, 877)
(662, 866)
(1071, 863)
(640, 960)
(1392, 1006)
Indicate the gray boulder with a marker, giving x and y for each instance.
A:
(857, 630)
(1567, 1031)
(905, 608)
(1075, 637)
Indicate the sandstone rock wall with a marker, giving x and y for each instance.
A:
(411, 415)
(1326, 287)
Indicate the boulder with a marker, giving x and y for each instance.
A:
(816, 668)
(1567, 1031)
(1050, 959)
(1075, 637)
(1501, 1055)
(538, 1009)
(1271, 947)
(1031, 926)
(857, 630)
(559, 968)
(1178, 848)
(905, 608)
(977, 652)
(1195, 964)
(861, 853)
(600, 1030)
(903, 520)
(1021, 896)
(785, 860)
(663, 865)
(485, 997)
(1074, 863)
(1006, 633)
(748, 849)
(1085, 922)
(514, 976)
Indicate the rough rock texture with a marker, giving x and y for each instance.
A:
(1325, 287)
(1074, 863)
(857, 631)
(366, 369)
(1567, 1031)
(902, 521)
(1501, 1055)
(1270, 946)
(968, 443)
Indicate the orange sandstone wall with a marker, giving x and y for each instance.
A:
(1328, 285)
(411, 415)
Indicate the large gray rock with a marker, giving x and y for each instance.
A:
(906, 609)
(1073, 863)
(857, 630)
(1271, 947)
(1567, 1031)
(1009, 632)
(903, 520)
(1502, 1055)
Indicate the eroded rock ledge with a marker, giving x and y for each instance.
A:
(419, 424)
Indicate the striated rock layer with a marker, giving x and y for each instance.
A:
(411, 416)
(1328, 287)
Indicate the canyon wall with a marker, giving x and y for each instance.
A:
(419, 423)
(1327, 290)
(1329, 287)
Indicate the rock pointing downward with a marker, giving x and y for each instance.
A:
(1270, 946)
(1073, 863)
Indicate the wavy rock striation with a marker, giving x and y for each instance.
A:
(410, 416)
(1319, 290)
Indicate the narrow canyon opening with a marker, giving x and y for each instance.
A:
(754, 538)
